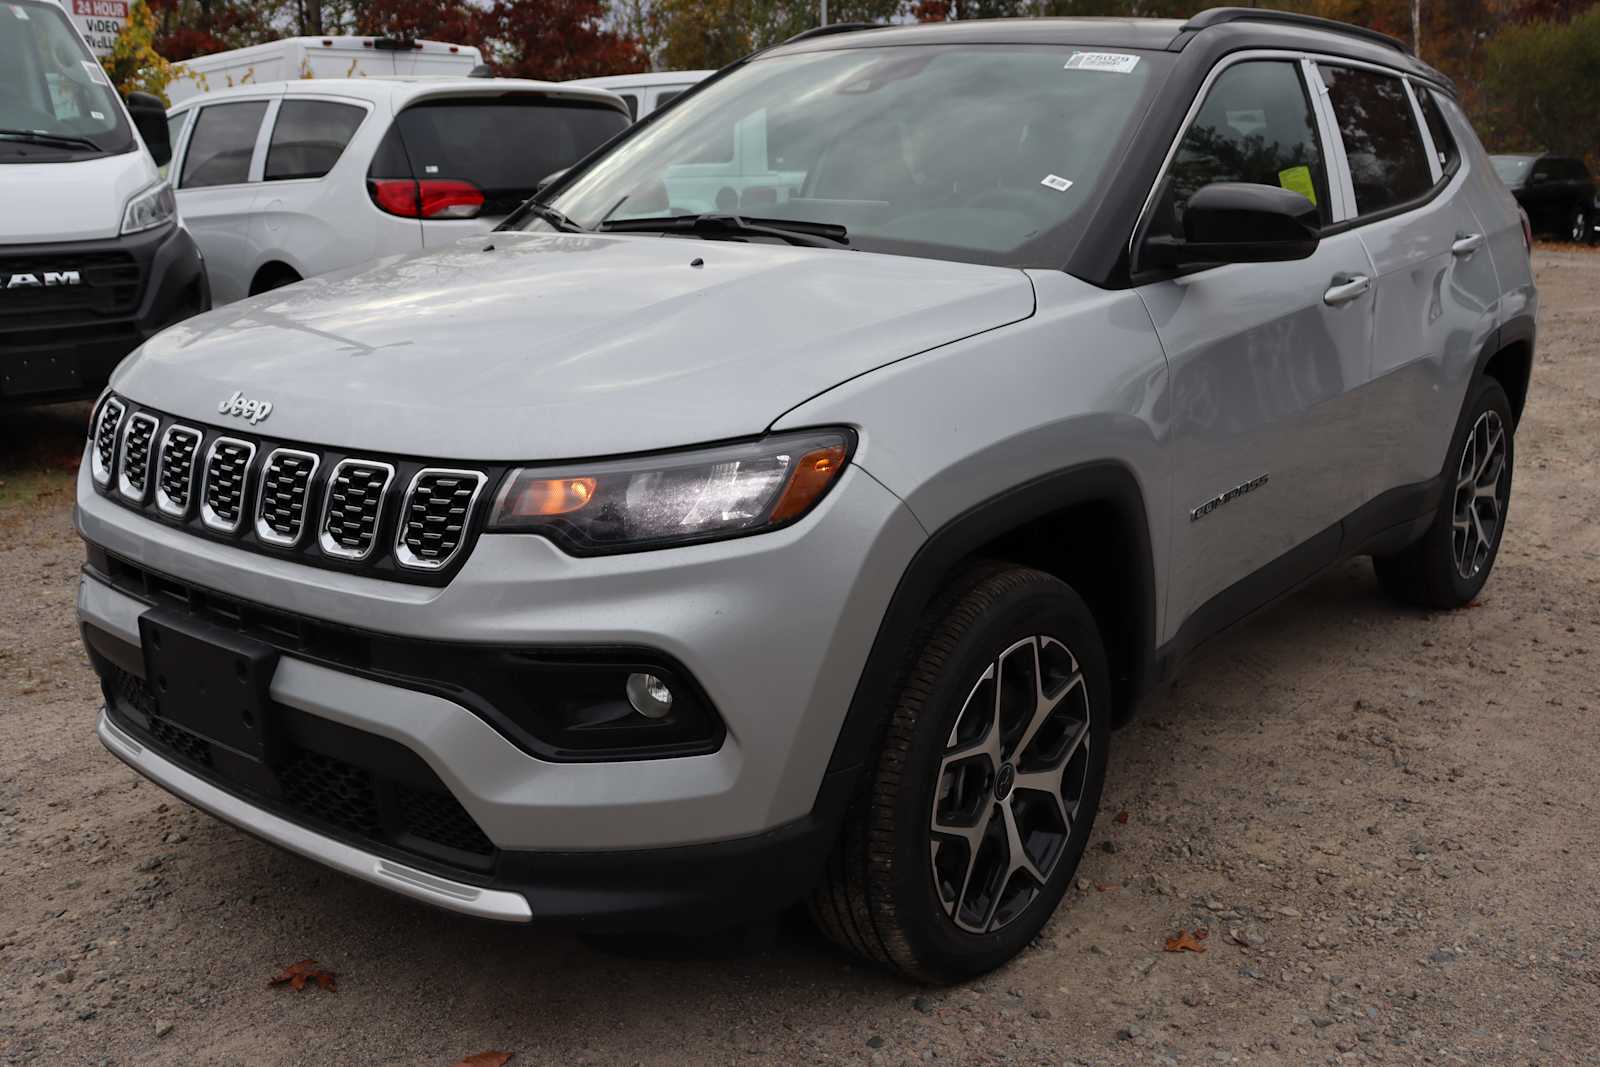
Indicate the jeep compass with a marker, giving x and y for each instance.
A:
(789, 503)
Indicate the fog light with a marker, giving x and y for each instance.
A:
(649, 695)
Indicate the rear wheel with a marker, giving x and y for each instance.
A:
(977, 811)
(1449, 566)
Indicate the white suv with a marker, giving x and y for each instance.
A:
(285, 180)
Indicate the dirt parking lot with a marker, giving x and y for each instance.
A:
(1388, 823)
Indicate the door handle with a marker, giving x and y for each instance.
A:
(1466, 244)
(1345, 288)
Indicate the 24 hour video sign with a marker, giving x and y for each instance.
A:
(100, 21)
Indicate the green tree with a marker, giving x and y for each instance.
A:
(1541, 86)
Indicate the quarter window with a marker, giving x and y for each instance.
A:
(1388, 163)
(1443, 142)
(1256, 126)
(308, 138)
(223, 141)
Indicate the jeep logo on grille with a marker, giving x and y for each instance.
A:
(43, 280)
(252, 411)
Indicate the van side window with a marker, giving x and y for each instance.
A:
(1256, 126)
(1443, 141)
(309, 137)
(223, 141)
(1388, 164)
(633, 104)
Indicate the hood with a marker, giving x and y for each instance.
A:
(78, 201)
(564, 346)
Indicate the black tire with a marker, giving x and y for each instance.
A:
(1429, 574)
(878, 896)
(1580, 228)
(277, 278)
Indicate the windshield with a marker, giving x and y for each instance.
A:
(1511, 169)
(52, 87)
(978, 153)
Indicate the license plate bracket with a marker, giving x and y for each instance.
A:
(211, 681)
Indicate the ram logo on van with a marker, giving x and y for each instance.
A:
(42, 280)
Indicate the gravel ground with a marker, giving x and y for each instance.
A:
(1386, 822)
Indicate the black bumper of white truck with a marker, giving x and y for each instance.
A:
(70, 311)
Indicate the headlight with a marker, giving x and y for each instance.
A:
(655, 501)
(149, 209)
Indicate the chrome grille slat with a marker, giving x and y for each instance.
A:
(103, 456)
(438, 505)
(285, 490)
(133, 470)
(393, 519)
(175, 469)
(227, 471)
(353, 508)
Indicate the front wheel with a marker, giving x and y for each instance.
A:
(986, 785)
(1449, 566)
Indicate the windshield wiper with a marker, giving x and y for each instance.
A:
(58, 140)
(553, 217)
(808, 234)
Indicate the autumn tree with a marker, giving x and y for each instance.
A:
(134, 65)
(558, 39)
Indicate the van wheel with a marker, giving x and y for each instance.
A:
(1449, 566)
(972, 821)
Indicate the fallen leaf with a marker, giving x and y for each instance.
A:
(1184, 943)
(484, 1059)
(1106, 888)
(1122, 817)
(1201, 933)
(296, 975)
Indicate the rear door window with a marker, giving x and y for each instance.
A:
(1256, 125)
(504, 146)
(308, 138)
(1388, 163)
(1444, 142)
(223, 141)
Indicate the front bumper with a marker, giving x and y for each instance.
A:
(136, 286)
(775, 628)
(407, 880)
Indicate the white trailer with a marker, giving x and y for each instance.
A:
(320, 57)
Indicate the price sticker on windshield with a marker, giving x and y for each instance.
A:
(1105, 62)
(1056, 182)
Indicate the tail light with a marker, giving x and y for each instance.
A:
(431, 198)
(1527, 231)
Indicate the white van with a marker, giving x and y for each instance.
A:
(644, 93)
(93, 258)
(321, 57)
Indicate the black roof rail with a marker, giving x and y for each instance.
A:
(834, 27)
(1218, 16)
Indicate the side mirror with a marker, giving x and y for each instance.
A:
(149, 116)
(1236, 222)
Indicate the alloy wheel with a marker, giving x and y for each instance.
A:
(1483, 488)
(1011, 783)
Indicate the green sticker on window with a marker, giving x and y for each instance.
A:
(1298, 180)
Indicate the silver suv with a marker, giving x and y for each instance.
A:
(789, 505)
